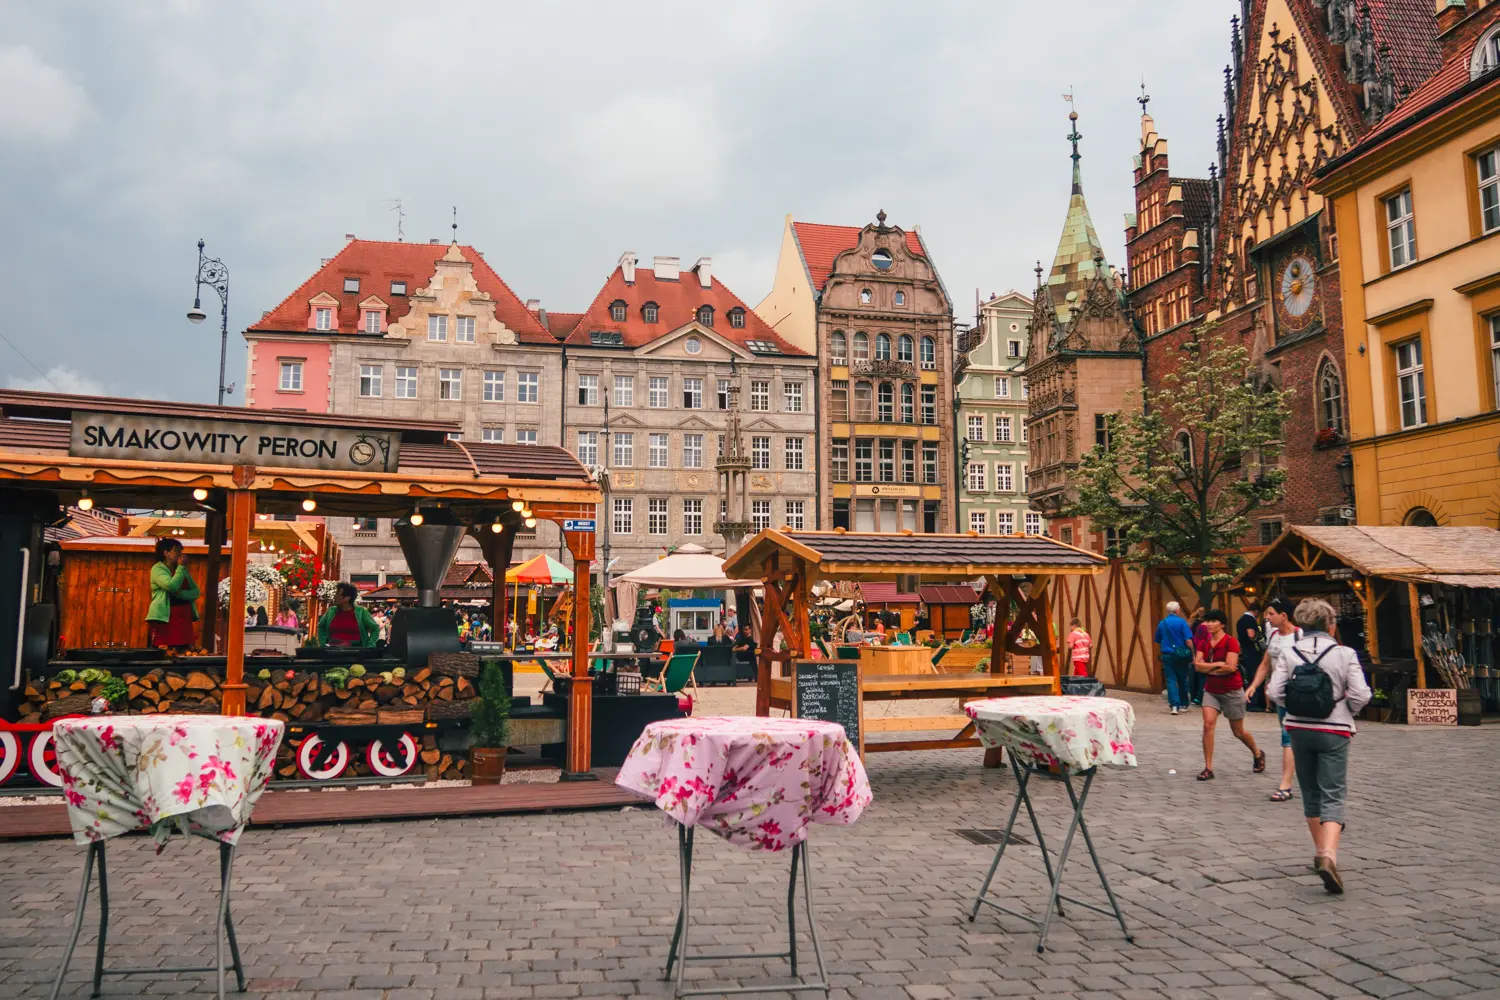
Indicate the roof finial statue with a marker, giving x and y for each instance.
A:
(1073, 137)
(1038, 274)
(455, 223)
(1145, 98)
(880, 218)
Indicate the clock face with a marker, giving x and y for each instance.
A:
(1297, 291)
(362, 453)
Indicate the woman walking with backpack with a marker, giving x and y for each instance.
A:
(1323, 687)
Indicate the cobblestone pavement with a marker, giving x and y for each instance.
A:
(1214, 879)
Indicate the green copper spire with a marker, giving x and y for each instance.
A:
(1079, 252)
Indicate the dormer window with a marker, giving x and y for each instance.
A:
(617, 310)
(323, 319)
(706, 316)
(648, 312)
(865, 296)
(737, 318)
(1486, 54)
(372, 321)
(398, 288)
(351, 284)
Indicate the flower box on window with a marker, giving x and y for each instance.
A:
(1328, 438)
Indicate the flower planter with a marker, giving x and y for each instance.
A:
(487, 765)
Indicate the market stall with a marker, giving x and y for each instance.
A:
(1420, 605)
(885, 599)
(948, 608)
(1020, 568)
(226, 466)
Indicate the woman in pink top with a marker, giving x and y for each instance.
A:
(1079, 643)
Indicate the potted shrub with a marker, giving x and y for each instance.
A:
(489, 727)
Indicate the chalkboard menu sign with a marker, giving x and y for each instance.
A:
(828, 690)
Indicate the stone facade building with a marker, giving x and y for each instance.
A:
(870, 304)
(1307, 79)
(991, 425)
(1084, 363)
(663, 346)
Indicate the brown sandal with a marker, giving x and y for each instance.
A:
(1260, 762)
(1205, 775)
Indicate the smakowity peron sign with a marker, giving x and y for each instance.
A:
(161, 438)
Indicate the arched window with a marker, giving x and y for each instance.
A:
(1486, 54)
(882, 259)
(908, 403)
(865, 296)
(1330, 398)
(929, 354)
(649, 312)
(861, 347)
(706, 316)
(617, 310)
(864, 399)
(737, 318)
(900, 298)
(1184, 445)
(887, 402)
(838, 347)
(882, 347)
(1421, 517)
(906, 348)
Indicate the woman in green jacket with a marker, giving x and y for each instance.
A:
(347, 623)
(174, 595)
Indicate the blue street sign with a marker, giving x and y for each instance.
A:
(579, 525)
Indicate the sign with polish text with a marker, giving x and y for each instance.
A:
(1431, 707)
(163, 438)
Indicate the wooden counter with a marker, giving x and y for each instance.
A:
(896, 660)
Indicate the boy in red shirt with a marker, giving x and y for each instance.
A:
(1217, 658)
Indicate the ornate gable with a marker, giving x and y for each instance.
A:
(453, 292)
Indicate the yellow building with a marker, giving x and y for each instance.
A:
(1417, 212)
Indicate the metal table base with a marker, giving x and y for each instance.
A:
(1055, 898)
(678, 955)
(225, 927)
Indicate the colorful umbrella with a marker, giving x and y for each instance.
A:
(541, 569)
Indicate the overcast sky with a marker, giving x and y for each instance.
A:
(565, 133)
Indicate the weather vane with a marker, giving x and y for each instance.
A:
(455, 223)
(1145, 98)
(400, 219)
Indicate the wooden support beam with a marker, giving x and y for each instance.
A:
(241, 522)
(213, 536)
(581, 690)
(1416, 634)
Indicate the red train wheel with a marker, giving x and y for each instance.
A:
(42, 758)
(334, 764)
(10, 756)
(393, 762)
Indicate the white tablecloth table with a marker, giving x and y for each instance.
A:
(1057, 737)
(196, 774)
(759, 783)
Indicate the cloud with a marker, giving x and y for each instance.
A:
(41, 102)
(61, 378)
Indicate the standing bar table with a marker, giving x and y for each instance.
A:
(1058, 738)
(759, 783)
(196, 774)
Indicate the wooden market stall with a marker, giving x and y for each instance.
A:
(231, 464)
(948, 608)
(885, 597)
(1393, 586)
(1019, 568)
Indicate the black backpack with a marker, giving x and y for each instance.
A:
(1309, 692)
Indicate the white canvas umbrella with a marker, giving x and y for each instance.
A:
(691, 567)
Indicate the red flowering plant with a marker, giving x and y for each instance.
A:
(301, 570)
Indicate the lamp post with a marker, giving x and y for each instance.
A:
(1345, 469)
(213, 273)
(606, 634)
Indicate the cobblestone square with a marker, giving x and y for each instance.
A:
(1215, 881)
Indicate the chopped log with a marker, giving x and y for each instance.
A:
(387, 692)
(176, 682)
(431, 756)
(281, 717)
(344, 717)
(446, 762)
(164, 706)
(78, 686)
(314, 712)
(133, 691)
(446, 682)
(33, 693)
(356, 682)
(324, 688)
(73, 704)
(366, 704)
(445, 694)
(429, 741)
(267, 699)
(465, 689)
(54, 686)
(421, 675)
(151, 695)
(401, 717)
(438, 710)
(287, 770)
(431, 771)
(197, 680)
(297, 710)
(454, 664)
(205, 707)
(412, 699)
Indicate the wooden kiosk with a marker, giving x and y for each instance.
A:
(1019, 568)
(231, 463)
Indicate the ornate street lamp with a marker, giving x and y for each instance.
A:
(213, 273)
(1345, 469)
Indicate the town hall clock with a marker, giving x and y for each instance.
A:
(1297, 292)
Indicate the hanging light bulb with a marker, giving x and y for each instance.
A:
(531, 522)
(518, 505)
(417, 518)
(200, 494)
(85, 502)
(497, 527)
(309, 505)
(526, 512)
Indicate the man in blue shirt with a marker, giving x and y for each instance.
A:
(1175, 637)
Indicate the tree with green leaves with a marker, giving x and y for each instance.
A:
(1179, 479)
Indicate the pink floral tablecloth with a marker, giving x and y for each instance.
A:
(198, 774)
(1048, 729)
(756, 782)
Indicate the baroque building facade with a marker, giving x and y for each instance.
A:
(990, 406)
(1307, 80)
(1083, 363)
(868, 302)
(1417, 204)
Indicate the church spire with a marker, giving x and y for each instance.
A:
(1073, 137)
(1080, 255)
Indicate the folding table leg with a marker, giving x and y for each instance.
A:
(1088, 841)
(226, 866)
(95, 848)
(1021, 778)
(791, 911)
(812, 922)
(679, 949)
(1036, 826)
(1062, 858)
(103, 923)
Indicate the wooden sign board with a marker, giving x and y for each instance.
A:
(828, 690)
(1431, 707)
(164, 438)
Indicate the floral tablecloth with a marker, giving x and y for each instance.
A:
(1047, 729)
(198, 774)
(756, 782)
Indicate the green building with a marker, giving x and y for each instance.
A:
(991, 415)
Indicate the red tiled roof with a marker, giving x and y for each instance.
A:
(1408, 30)
(884, 592)
(677, 305)
(84, 524)
(949, 594)
(558, 321)
(821, 244)
(377, 263)
(468, 574)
